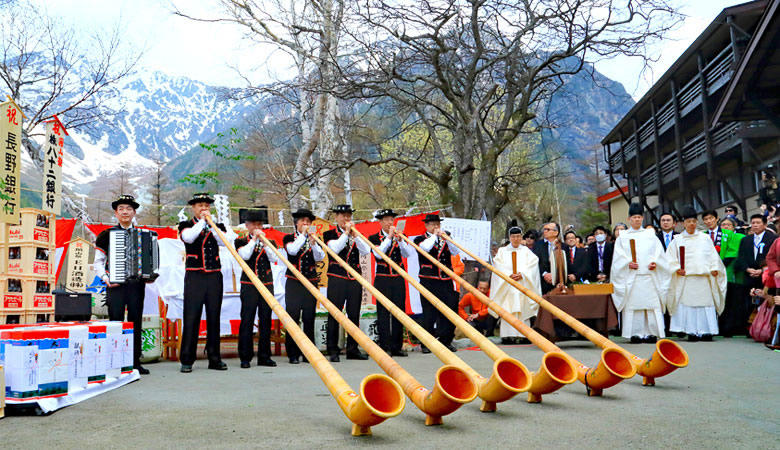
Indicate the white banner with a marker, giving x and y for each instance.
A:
(474, 235)
(11, 162)
(54, 145)
(78, 256)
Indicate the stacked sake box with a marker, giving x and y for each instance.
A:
(54, 359)
(27, 254)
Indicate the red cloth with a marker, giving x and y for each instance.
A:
(772, 264)
(63, 235)
(476, 306)
(162, 232)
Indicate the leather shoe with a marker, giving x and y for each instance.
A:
(650, 340)
(636, 339)
(706, 337)
(294, 361)
(267, 362)
(451, 348)
(245, 364)
(426, 350)
(218, 365)
(398, 353)
(693, 338)
(335, 358)
(142, 370)
(185, 368)
(357, 355)
(303, 359)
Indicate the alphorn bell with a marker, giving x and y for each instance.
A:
(668, 355)
(613, 367)
(380, 396)
(510, 377)
(452, 388)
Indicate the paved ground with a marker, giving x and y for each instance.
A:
(727, 398)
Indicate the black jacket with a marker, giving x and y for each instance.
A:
(203, 253)
(660, 235)
(593, 255)
(580, 266)
(746, 259)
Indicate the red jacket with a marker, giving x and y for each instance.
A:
(773, 260)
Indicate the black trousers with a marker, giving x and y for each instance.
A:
(486, 325)
(128, 295)
(349, 293)
(434, 321)
(733, 320)
(391, 332)
(201, 289)
(300, 304)
(253, 304)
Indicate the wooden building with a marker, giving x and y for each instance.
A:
(705, 132)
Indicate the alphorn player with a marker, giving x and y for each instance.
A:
(640, 275)
(389, 282)
(130, 294)
(303, 252)
(202, 283)
(259, 259)
(343, 290)
(437, 281)
(522, 265)
(697, 292)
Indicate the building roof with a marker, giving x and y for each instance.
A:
(757, 74)
(611, 195)
(687, 62)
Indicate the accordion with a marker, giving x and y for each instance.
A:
(133, 255)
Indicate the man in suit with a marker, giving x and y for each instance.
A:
(578, 263)
(666, 234)
(752, 257)
(545, 250)
(600, 255)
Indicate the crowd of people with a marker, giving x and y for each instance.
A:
(697, 282)
(694, 278)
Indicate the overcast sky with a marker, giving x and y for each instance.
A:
(208, 52)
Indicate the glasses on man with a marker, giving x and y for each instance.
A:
(549, 229)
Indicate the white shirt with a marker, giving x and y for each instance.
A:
(406, 249)
(189, 235)
(246, 251)
(431, 239)
(99, 264)
(757, 242)
(293, 247)
(338, 245)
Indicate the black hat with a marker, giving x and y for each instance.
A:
(432, 218)
(515, 230)
(689, 212)
(201, 197)
(384, 213)
(302, 212)
(254, 214)
(125, 199)
(342, 209)
(599, 227)
(635, 210)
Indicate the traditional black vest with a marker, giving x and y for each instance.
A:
(441, 252)
(203, 253)
(303, 260)
(383, 269)
(349, 253)
(258, 262)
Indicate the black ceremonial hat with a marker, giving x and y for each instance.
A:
(342, 209)
(301, 212)
(635, 210)
(515, 230)
(432, 218)
(384, 213)
(124, 199)
(253, 214)
(201, 197)
(688, 212)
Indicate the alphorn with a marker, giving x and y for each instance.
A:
(668, 355)
(380, 396)
(453, 387)
(510, 377)
(613, 367)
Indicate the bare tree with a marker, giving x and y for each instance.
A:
(308, 32)
(477, 74)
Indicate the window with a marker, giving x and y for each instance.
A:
(724, 196)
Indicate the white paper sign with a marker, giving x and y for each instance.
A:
(474, 235)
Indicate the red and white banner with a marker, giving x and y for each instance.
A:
(63, 236)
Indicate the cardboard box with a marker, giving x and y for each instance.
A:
(29, 259)
(36, 226)
(127, 347)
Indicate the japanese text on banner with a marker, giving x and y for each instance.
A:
(11, 163)
(52, 166)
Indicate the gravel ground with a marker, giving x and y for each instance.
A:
(726, 398)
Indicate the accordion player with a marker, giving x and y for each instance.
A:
(133, 255)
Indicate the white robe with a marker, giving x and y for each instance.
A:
(509, 298)
(640, 294)
(696, 299)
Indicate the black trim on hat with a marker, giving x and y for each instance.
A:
(514, 230)
(342, 209)
(124, 199)
(303, 212)
(201, 197)
(432, 218)
(254, 214)
(384, 213)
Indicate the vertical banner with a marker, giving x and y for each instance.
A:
(54, 152)
(78, 255)
(11, 162)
